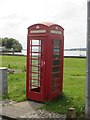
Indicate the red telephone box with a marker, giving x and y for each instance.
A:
(45, 45)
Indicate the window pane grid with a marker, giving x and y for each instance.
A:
(56, 64)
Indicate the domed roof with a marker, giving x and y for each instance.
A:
(47, 23)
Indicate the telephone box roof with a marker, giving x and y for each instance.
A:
(48, 24)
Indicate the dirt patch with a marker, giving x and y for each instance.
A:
(12, 71)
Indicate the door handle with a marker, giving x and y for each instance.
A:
(42, 63)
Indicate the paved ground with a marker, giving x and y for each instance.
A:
(27, 109)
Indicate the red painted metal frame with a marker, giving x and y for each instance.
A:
(46, 93)
(58, 92)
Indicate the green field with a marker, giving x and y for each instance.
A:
(73, 88)
(16, 81)
(73, 85)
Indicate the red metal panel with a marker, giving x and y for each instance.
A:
(59, 91)
(47, 32)
(27, 70)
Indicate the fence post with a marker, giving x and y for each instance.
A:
(87, 106)
(3, 81)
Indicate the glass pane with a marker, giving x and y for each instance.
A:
(55, 69)
(56, 62)
(36, 42)
(35, 69)
(55, 75)
(35, 62)
(56, 48)
(54, 84)
(34, 76)
(56, 56)
(56, 43)
(36, 50)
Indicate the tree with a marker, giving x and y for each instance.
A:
(17, 46)
(4, 40)
(10, 43)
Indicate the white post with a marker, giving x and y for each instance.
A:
(87, 106)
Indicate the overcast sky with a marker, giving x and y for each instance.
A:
(17, 15)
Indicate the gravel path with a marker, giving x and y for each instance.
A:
(6, 103)
(43, 114)
(37, 113)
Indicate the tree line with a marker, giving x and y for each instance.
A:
(11, 44)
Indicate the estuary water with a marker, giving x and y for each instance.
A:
(66, 53)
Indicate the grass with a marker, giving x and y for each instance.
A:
(15, 62)
(73, 88)
(16, 81)
(73, 85)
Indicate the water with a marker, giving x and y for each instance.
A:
(74, 53)
(24, 52)
(66, 53)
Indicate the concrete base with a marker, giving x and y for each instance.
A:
(19, 109)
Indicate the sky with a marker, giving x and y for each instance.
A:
(17, 15)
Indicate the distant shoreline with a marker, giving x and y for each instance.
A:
(26, 55)
(11, 54)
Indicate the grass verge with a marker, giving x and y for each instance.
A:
(16, 81)
(73, 84)
(73, 88)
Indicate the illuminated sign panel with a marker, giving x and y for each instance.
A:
(38, 31)
(44, 31)
(56, 32)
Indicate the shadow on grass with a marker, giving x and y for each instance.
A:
(59, 105)
(5, 96)
(62, 104)
(16, 98)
